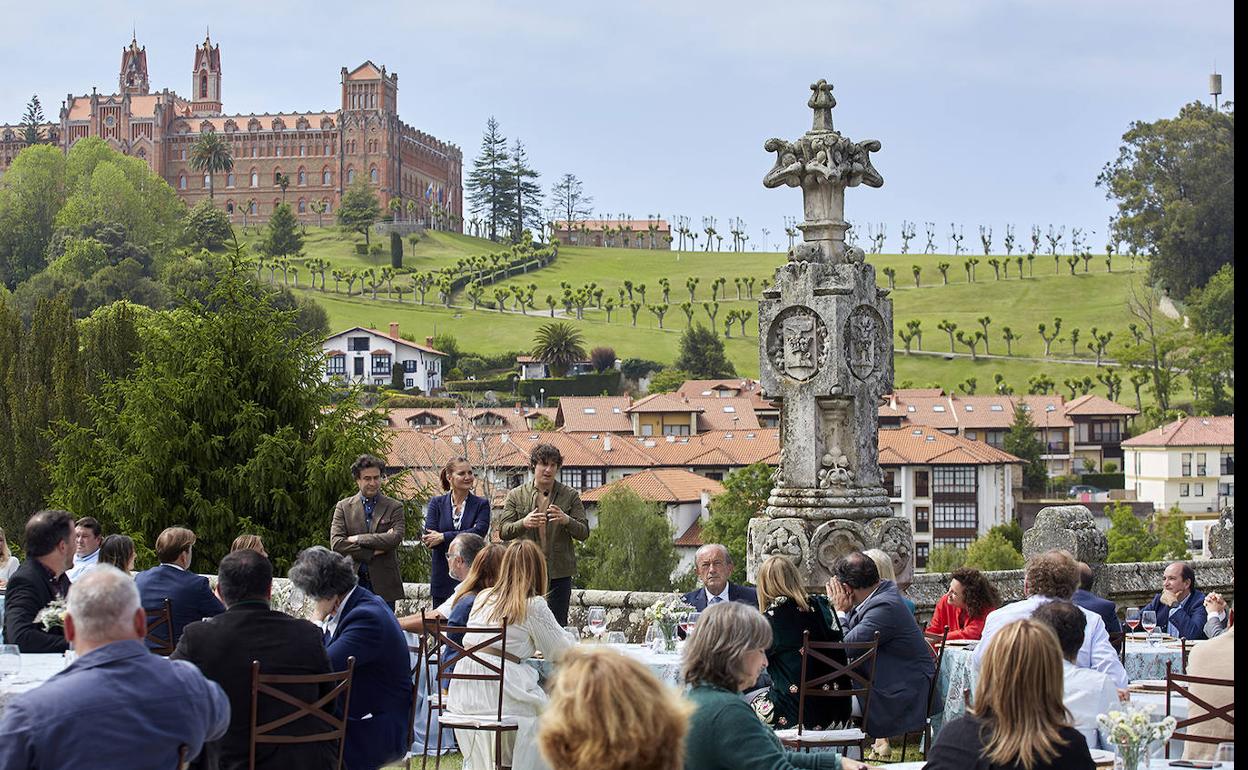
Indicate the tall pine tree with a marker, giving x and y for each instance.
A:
(489, 188)
(31, 120)
(526, 193)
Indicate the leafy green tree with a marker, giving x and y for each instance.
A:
(32, 192)
(559, 345)
(1212, 306)
(1128, 535)
(702, 354)
(206, 226)
(1171, 536)
(210, 154)
(1013, 532)
(111, 342)
(284, 237)
(667, 380)
(945, 558)
(226, 420)
(1174, 181)
(631, 548)
(359, 210)
(744, 496)
(1022, 442)
(993, 552)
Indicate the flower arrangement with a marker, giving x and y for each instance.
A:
(664, 614)
(53, 615)
(1131, 731)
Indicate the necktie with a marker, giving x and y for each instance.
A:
(716, 599)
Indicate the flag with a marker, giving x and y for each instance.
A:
(429, 191)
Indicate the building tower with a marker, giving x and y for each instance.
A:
(206, 79)
(133, 78)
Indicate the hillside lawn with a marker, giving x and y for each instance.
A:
(1096, 298)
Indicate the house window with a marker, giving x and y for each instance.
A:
(890, 483)
(922, 518)
(255, 178)
(920, 555)
(1227, 463)
(350, 176)
(251, 207)
(1198, 490)
(303, 206)
(207, 182)
(955, 479)
(921, 485)
(229, 180)
(994, 438)
(955, 542)
(302, 178)
(357, 343)
(1226, 490)
(675, 430)
(583, 478)
(1106, 433)
(336, 365)
(1185, 464)
(409, 365)
(1201, 463)
(182, 182)
(372, 175)
(972, 435)
(325, 177)
(1184, 490)
(381, 364)
(956, 516)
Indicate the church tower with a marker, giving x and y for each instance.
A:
(133, 78)
(206, 79)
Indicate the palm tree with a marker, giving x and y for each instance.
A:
(209, 155)
(283, 181)
(318, 207)
(559, 345)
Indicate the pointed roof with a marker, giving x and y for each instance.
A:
(1092, 404)
(1189, 431)
(366, 71)
(662, 402)
(661, 485)
(927, 446)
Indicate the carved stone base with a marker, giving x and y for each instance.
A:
(823, 504)
(815, 544)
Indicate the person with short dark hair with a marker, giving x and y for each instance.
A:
(38, 581)
(904, 664)
(1087, 692)
(1090, 601)
(459, 510)
(358, 623)
(1180, 606)
(550, 513)
(369, 528)
(249, 630)
(87, 540)
(190, 597)
(118, 550)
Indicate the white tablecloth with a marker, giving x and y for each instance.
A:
(36, 669)
(665, 666)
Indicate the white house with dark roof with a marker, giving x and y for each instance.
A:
(368, 356)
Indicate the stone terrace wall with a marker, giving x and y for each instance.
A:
(1131, 584)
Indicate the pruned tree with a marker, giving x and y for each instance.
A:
(1050, 337)
(971, 341)
(948, 327)
(930, 228)
(1010, 338)
(907, 235)
(943, 267)
(985, 240)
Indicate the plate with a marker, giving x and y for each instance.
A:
(961, 642)
(1147, 685)
(1102, 757)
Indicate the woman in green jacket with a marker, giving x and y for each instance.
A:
(724, 655)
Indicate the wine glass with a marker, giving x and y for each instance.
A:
(654, 638)
(1148, 619)
(10, 661)
(1133, 618)
(688, 621)
(616, 637)
(296, 602)
(597, 621)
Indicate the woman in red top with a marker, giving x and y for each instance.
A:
(963, 608)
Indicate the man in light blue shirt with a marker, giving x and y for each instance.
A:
(141, 707)
(1055, 575)
(88, 535)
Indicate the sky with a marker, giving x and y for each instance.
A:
(990, 112)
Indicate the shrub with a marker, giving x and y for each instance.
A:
(472, 366)
(376, 249)
(603, 358)
(361, 249)
(396, 250)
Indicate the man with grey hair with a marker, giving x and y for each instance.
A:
(149, 707)
(714, 566)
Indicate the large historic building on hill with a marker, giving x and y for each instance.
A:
(319, 153)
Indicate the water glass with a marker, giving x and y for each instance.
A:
(10, 661)
(655, 640)
(1148, 619)
(1225, 753)
(617, 637)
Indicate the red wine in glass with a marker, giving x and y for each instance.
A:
(1133, 623)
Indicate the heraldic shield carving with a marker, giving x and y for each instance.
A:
(867, 346)
(797, 342)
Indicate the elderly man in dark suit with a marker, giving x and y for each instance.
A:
(249, 630)
(1180, 606)
(40, 579)
(357, 623)
(904, 666)
(190, 597)
(714, 565)
(1089, 601)
(369, 528)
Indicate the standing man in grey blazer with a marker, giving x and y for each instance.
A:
(369, 528)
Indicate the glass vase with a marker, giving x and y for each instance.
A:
(1130, 754)
(669, 635)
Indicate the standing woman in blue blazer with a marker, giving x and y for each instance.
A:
(459, 510)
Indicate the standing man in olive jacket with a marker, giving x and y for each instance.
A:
(551, 514)
(369, 528)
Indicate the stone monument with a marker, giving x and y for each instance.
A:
(1221, 536)
(1070, 528)
(826, 355)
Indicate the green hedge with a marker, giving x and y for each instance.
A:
(585, 385)
(1104, 480)
(417, 402)
(504, 384)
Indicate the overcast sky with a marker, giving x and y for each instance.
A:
(990, 112)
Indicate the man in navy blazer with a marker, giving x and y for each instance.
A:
(448, 515)
(359, 624)
(1180, 606)
(714, 565)
(904, 665)
(190, 597)
(1089, 601)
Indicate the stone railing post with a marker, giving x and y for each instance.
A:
(1071, 528)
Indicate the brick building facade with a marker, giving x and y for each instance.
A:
(320, 153)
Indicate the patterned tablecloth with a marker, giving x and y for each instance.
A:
(1143, 661)
(36, 669)
(665, 666)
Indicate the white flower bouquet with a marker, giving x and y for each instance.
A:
(1131, 731)
(665, 614)
(53, 615)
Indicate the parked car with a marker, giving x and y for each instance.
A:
(1084, 489)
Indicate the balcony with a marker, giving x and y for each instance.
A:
(1057, 448)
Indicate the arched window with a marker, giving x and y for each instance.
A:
(277, 176)
(326, 179)
(302, 178)
(181, 181)
(350, 176)
(325, 149)
(303, 150)
(278, 149)
(329, 207)
(229, 179)
(303, 206)
(252, 206)
(207, 181)
(255, 178)
(203, 85)
(373, 175)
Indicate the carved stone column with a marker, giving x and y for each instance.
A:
(826, 355)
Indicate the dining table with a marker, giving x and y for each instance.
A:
(36, 669)
(664, 665)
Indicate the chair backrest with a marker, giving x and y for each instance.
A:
(335, 719)
(182, 763)
(422, 650)
(1178, 685)
(859, 670)
(488, 651)
(938, 645)
(160, 628)
(1118, 640)
(1185, 649)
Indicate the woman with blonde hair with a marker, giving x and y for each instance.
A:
(1017, 720)
(8, 562)
(516, 599)
(247, 542)
(607, 711)
(791, 612)
(725, 654)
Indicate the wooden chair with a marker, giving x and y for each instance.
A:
(1185, 649)
(160, 629)
(488, 652)
(182, 763)
(335, 720)
(860, 670)
(1118, 641)
(1178, 685)
(426, 655)
(937, 641)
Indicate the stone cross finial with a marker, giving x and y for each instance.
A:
(822, 101)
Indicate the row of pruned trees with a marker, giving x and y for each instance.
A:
(1097, 343)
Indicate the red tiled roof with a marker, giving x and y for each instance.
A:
(662, 402)
(397, 340)
(692, 537)
(607, 415)
(1094, 405)
(1189, 431)
(735, 413)
(927, 446)
(661, 485)
(744, 388)
(971, 412)
(515, 419)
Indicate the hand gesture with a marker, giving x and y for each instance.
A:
(1168, 598)
(555, 514)
(1215, 604)
(535, 519)
(840, 595)
(432, 538)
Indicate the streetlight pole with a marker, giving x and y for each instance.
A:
(542, 400)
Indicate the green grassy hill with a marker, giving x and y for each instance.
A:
(1086, 299)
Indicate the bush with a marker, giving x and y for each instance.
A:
(993, 552)
(207, 226)
(396, 250)
(945, 558)
(636, 368)
(471, 366)
(1106, 480)
(668, 380)
(361, 249)
(1109, 466)
(376, 250)
(603, 358)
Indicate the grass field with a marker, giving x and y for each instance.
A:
(1095, 298)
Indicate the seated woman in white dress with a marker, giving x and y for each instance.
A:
(517, 597)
